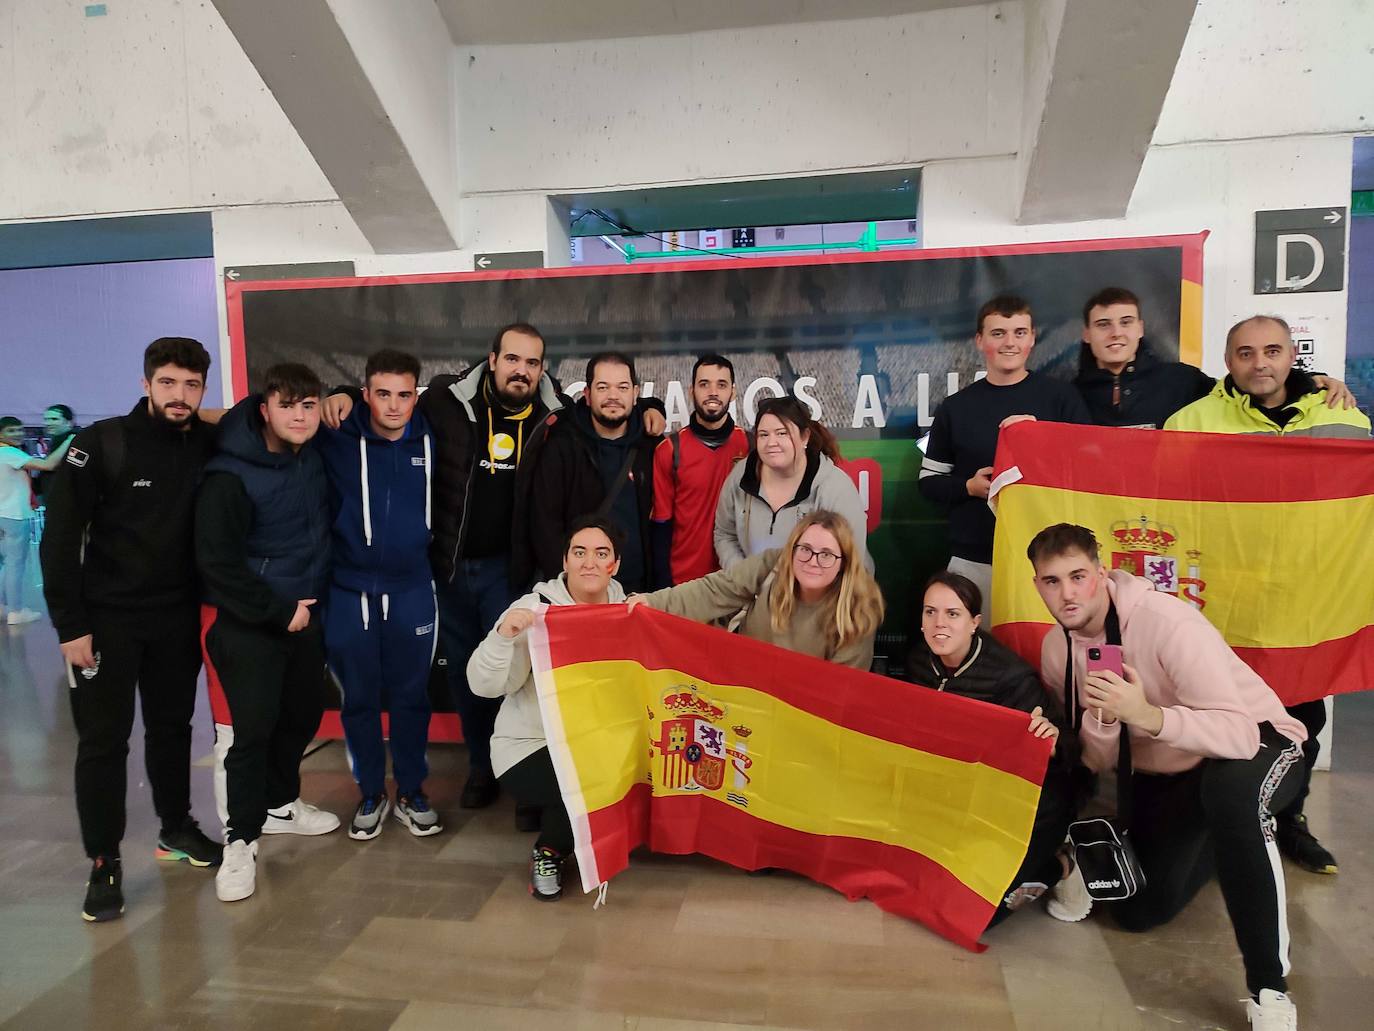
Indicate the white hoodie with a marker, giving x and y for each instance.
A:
(500, 668)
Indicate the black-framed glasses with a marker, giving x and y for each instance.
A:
(824, 559)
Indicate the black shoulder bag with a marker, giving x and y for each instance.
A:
(1102, 847)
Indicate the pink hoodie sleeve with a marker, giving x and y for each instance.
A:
(1207, 715)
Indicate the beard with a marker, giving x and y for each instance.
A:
(173, 417)
(609, 421)
(514, 399)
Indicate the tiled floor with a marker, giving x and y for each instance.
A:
(439, 933)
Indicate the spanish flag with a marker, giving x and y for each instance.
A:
(689, 739)
(1271, 537)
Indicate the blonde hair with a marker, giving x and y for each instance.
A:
(854, 604)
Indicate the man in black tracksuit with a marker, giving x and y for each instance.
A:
(597, 461)
(262, 545)
(119, 576)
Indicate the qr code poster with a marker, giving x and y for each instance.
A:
(1307, 332)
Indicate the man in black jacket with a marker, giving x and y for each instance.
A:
(1123, 383)
(262, 546)
(119, 576)
(599, 461)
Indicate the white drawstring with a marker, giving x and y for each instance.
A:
(386, 606)
(363, 596)
(600, 895)
(367, 496)
(428, 481)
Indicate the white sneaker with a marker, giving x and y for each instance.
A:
(299, 817)
(238, 873)
(18, 616)
(1274, 1012)
(1069, 899)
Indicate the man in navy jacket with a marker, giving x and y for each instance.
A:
(380, 619)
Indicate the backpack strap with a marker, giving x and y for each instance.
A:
(112, 447)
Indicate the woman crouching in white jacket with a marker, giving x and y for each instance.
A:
(500, 668)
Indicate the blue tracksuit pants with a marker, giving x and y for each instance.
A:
(381, 648)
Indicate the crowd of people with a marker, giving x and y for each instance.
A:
(366, 528)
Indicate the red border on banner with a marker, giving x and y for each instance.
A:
(1189, 243)
(898, 880)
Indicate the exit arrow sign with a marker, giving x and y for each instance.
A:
(508, 260)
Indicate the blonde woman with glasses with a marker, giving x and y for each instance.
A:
(814, 595)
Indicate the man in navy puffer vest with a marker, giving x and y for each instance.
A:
(380, 617)
(262, 546)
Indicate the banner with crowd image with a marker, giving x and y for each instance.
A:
(872, 343)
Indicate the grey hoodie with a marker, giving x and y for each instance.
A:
(500, 668)
(747, 525)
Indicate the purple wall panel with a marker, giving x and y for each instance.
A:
(75, 335)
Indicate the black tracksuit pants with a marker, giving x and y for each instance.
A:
(1312, 715)
(1217, 818)
(274, 684)
(532, 781)
(156, 652)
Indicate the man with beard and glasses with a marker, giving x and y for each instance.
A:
(119, 575)
(486, 424)
(597, 462)
(689, 467)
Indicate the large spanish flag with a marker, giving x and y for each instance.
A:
(689, 739)
(1271, 537)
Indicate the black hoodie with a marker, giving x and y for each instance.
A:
(571, 478)
(1144, 394)
(119, 539)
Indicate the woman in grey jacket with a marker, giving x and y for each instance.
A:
(790, 472)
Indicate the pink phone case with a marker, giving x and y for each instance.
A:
(1109, 658)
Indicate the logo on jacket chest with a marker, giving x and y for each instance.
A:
(141, 483)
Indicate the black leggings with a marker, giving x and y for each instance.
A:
(1041, 868)
(532, 781)
(1217, 818)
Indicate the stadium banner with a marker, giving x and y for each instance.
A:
(688, 739)
(872, 343)
(1267, 536)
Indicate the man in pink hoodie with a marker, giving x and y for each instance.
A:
(1213, 750)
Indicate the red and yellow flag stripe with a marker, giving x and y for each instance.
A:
(1270, 537)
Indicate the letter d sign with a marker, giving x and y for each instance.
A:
(1300, 250)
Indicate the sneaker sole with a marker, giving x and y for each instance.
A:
(293, 829)
(415, 828)
(176, 855)
(1066, 916)
(545, 898)
(101, 918)
(235, 897)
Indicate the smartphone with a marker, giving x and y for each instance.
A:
(1105, 656)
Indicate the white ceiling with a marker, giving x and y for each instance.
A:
(561, 21)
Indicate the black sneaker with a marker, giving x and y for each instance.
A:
(188, 844)
(104, 897)
(546, 874)
(528, 818)
(480, 790)
(1298, 844)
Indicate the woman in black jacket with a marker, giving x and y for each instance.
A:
(953, 654)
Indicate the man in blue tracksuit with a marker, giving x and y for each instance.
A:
(380, 618)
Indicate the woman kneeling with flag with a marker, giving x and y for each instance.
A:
(954, 654)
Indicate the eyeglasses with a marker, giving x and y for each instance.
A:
(824, 559)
